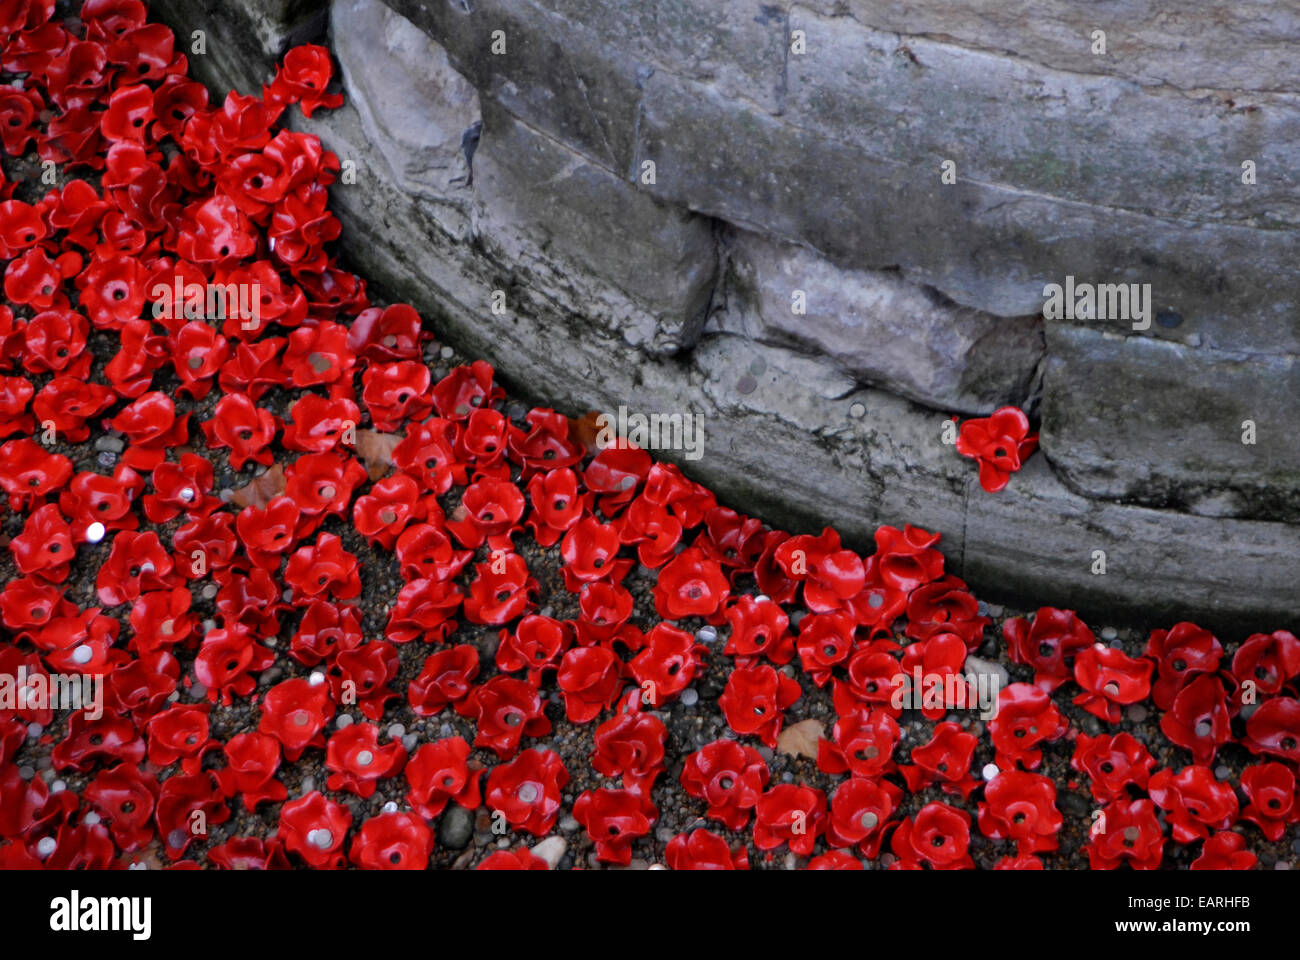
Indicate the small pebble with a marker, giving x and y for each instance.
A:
(690, 697)
(995, 610)
(34, 730)
(1109, 633)
(308, 784)
(198, 691)
(990, 771)
(857, 411)
(1222, 773)
(110, 443)
(707, 634)
(344, 721)
(551, 850)
(396, 731)
(569, 825)
(664, 834)
(209, 591)
(409, 742)
(787, 777)
(95, 532)
(46, 846)
(1137, 713)
(106, 459)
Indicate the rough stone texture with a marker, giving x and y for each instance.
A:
(879, 328)
(1173, 444)
(607, 276)
(244, 38)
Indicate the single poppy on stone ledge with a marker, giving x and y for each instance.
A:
(1000, 443)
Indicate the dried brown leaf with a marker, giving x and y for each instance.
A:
(260, 491)
(800, 739)
(376, 451)
(584, 429)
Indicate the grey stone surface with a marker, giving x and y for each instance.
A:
(879, 328)
(1164, 424)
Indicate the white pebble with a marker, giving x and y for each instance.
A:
(447, 353)
(58, 786)
(90, 819)
(990, 771)
(707, 634)
(316, 678)
(551, 850)
(690, 697)
(34, 730)
(46, 846)
(343, 722)
(396, 731)
(390, 807)
(83, 654)
(857, 411)
(95, 532)
(198, 691)
(308, 784)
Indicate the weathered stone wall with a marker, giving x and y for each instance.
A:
(777, 171)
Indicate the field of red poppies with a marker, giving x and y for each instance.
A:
(339, 600)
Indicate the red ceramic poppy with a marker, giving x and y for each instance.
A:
(428, 453)
(253, 369)
(207, 545)
(1049, 644)
(444, 680)
(1112, 763)
(825, 641)
(501, 590)
(521, 859)
(181, 798)
(704, 850)
(396, 392)
(268, 532)
(483, 443)
(1110, 679)
(546, 445)
(1180, 653)
(125, 798)
(1225, 851)
(1274, 729)
(227, 660)
(357, 760)
(295, 712)
(251, 762)
(1021, 807)
(862, 743)
(1194, 801)
(323, 570)
(181, 487)
(151, 426)
(489, 511)
(141, 687)
(362, 674)
(468, 388)
(535, 645)
(690, 585)
(791, 814)
(505, 711)
(319, 355)
(729, 777)
(28, 472)
(393, 841)
(382, 335)
(631, 745)
(45, 545)
(614, 475)
(301, 78)
(66, 403)
(831, 575)
(180, 733)
(859, 809)
(603, 611)
(382, 514)
(907, 558)
(250, 853)
(590, 551)
(556, 505)
(945, 759)
(439, 773)
(873, 680)
(938, 837)
(322, 484)
(422, 610)
(758, 628)
(136, 563)
(315, 828)
(243, 428)
(527, 790)
(1267, 660)
(319, 425)
(1026, 718)
(835, 860)
(590, 679)
(1270, 790)
(325, 630)
(1199, 718)
(425, 551)
(1000, 443)
(945, 606)
(755, 699)
(667, 664)
(614, 819)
